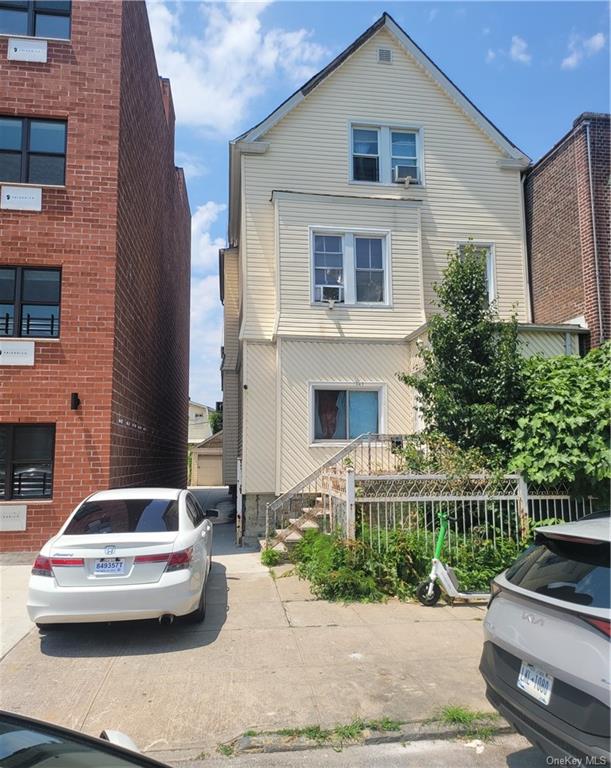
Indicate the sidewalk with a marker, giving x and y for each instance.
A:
(267, 656)
(14, 621)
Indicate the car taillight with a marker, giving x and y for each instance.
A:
(179, 560)
(67, 562)
(42, 566)
(603, 625)
(159, 558)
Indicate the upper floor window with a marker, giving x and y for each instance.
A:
(32, 151)
(35, 18)
(29, 301)
(26, 461)
(384, 155)
(350, 267)
(487, 250)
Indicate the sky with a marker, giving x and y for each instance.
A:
(531, 67)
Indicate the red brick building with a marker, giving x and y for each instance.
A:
(94, 264)
(567, 219)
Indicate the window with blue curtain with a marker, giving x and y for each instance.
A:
(344, 414)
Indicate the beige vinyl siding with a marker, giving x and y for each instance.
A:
(348, 362)
(298, 216)
(231, 392)
(466, 193)
(259, 417)
(548, 343)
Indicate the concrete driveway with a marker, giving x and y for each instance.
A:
(267, 656)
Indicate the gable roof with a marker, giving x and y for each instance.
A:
(387, 22)
(214, 441)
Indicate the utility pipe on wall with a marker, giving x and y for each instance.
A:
(601, 333)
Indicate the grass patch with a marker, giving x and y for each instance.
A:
(227, 750)
(340, 734)
(473, 724)
(271, 557)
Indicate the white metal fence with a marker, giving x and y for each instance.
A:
(362, 493)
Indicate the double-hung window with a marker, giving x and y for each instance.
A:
(29, 301)
(386, 154)
(350, 267)
(32, 151)
(486, 250)
(345, 413)
(35, 18)
(26, 461)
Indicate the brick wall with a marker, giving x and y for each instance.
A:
(74, 231)
(150, 399)
(119, 231)
(565, 278)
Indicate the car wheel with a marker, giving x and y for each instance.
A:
(423, 593)
(200, 612)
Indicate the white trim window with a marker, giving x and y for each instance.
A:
(488, 249)
(385, 154)
(344, 412)
(350, 267)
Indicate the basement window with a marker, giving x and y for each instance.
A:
(26, 461)
(32, 151)
(36, 18)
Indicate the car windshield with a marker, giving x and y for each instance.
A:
(23, 745)
(124, 516)
(575, 570)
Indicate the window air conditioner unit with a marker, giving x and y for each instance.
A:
(331, 293)
(402, 175)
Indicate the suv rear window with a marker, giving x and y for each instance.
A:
(124, 516)
(573, 571)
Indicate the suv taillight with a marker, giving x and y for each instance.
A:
(42, 566)
(179, 560)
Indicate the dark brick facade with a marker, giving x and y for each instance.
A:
(569, 248)
(119, 231)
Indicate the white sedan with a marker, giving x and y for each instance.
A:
(133, 553)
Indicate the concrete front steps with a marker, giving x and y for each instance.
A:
(285, 538)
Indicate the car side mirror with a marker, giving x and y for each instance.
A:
(212, 513)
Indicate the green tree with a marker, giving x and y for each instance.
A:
(216, 421)
(471, 387)
(563, 433)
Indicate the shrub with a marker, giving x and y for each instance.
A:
(563, 434)
(271, 557)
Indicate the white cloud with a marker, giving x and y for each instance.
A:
(485, 31)
(218, 72)
(490, 55)
(433, 14)
(519, 50)
(191, 165)
(205, 248)
(580, 47)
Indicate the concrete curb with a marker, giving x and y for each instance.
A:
(416, 731)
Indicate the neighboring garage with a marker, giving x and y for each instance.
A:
(207, 461)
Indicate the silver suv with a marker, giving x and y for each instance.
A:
(546, 657)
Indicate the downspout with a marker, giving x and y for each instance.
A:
(527, 275)
(601, 335)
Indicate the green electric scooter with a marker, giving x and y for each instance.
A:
(429, 591)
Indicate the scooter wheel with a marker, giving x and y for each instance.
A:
(423, 593)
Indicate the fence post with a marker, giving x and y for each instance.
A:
(267, 521)
(523, 506)
(350, 505)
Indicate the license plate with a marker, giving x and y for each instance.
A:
(109, 566)
(535, 682)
